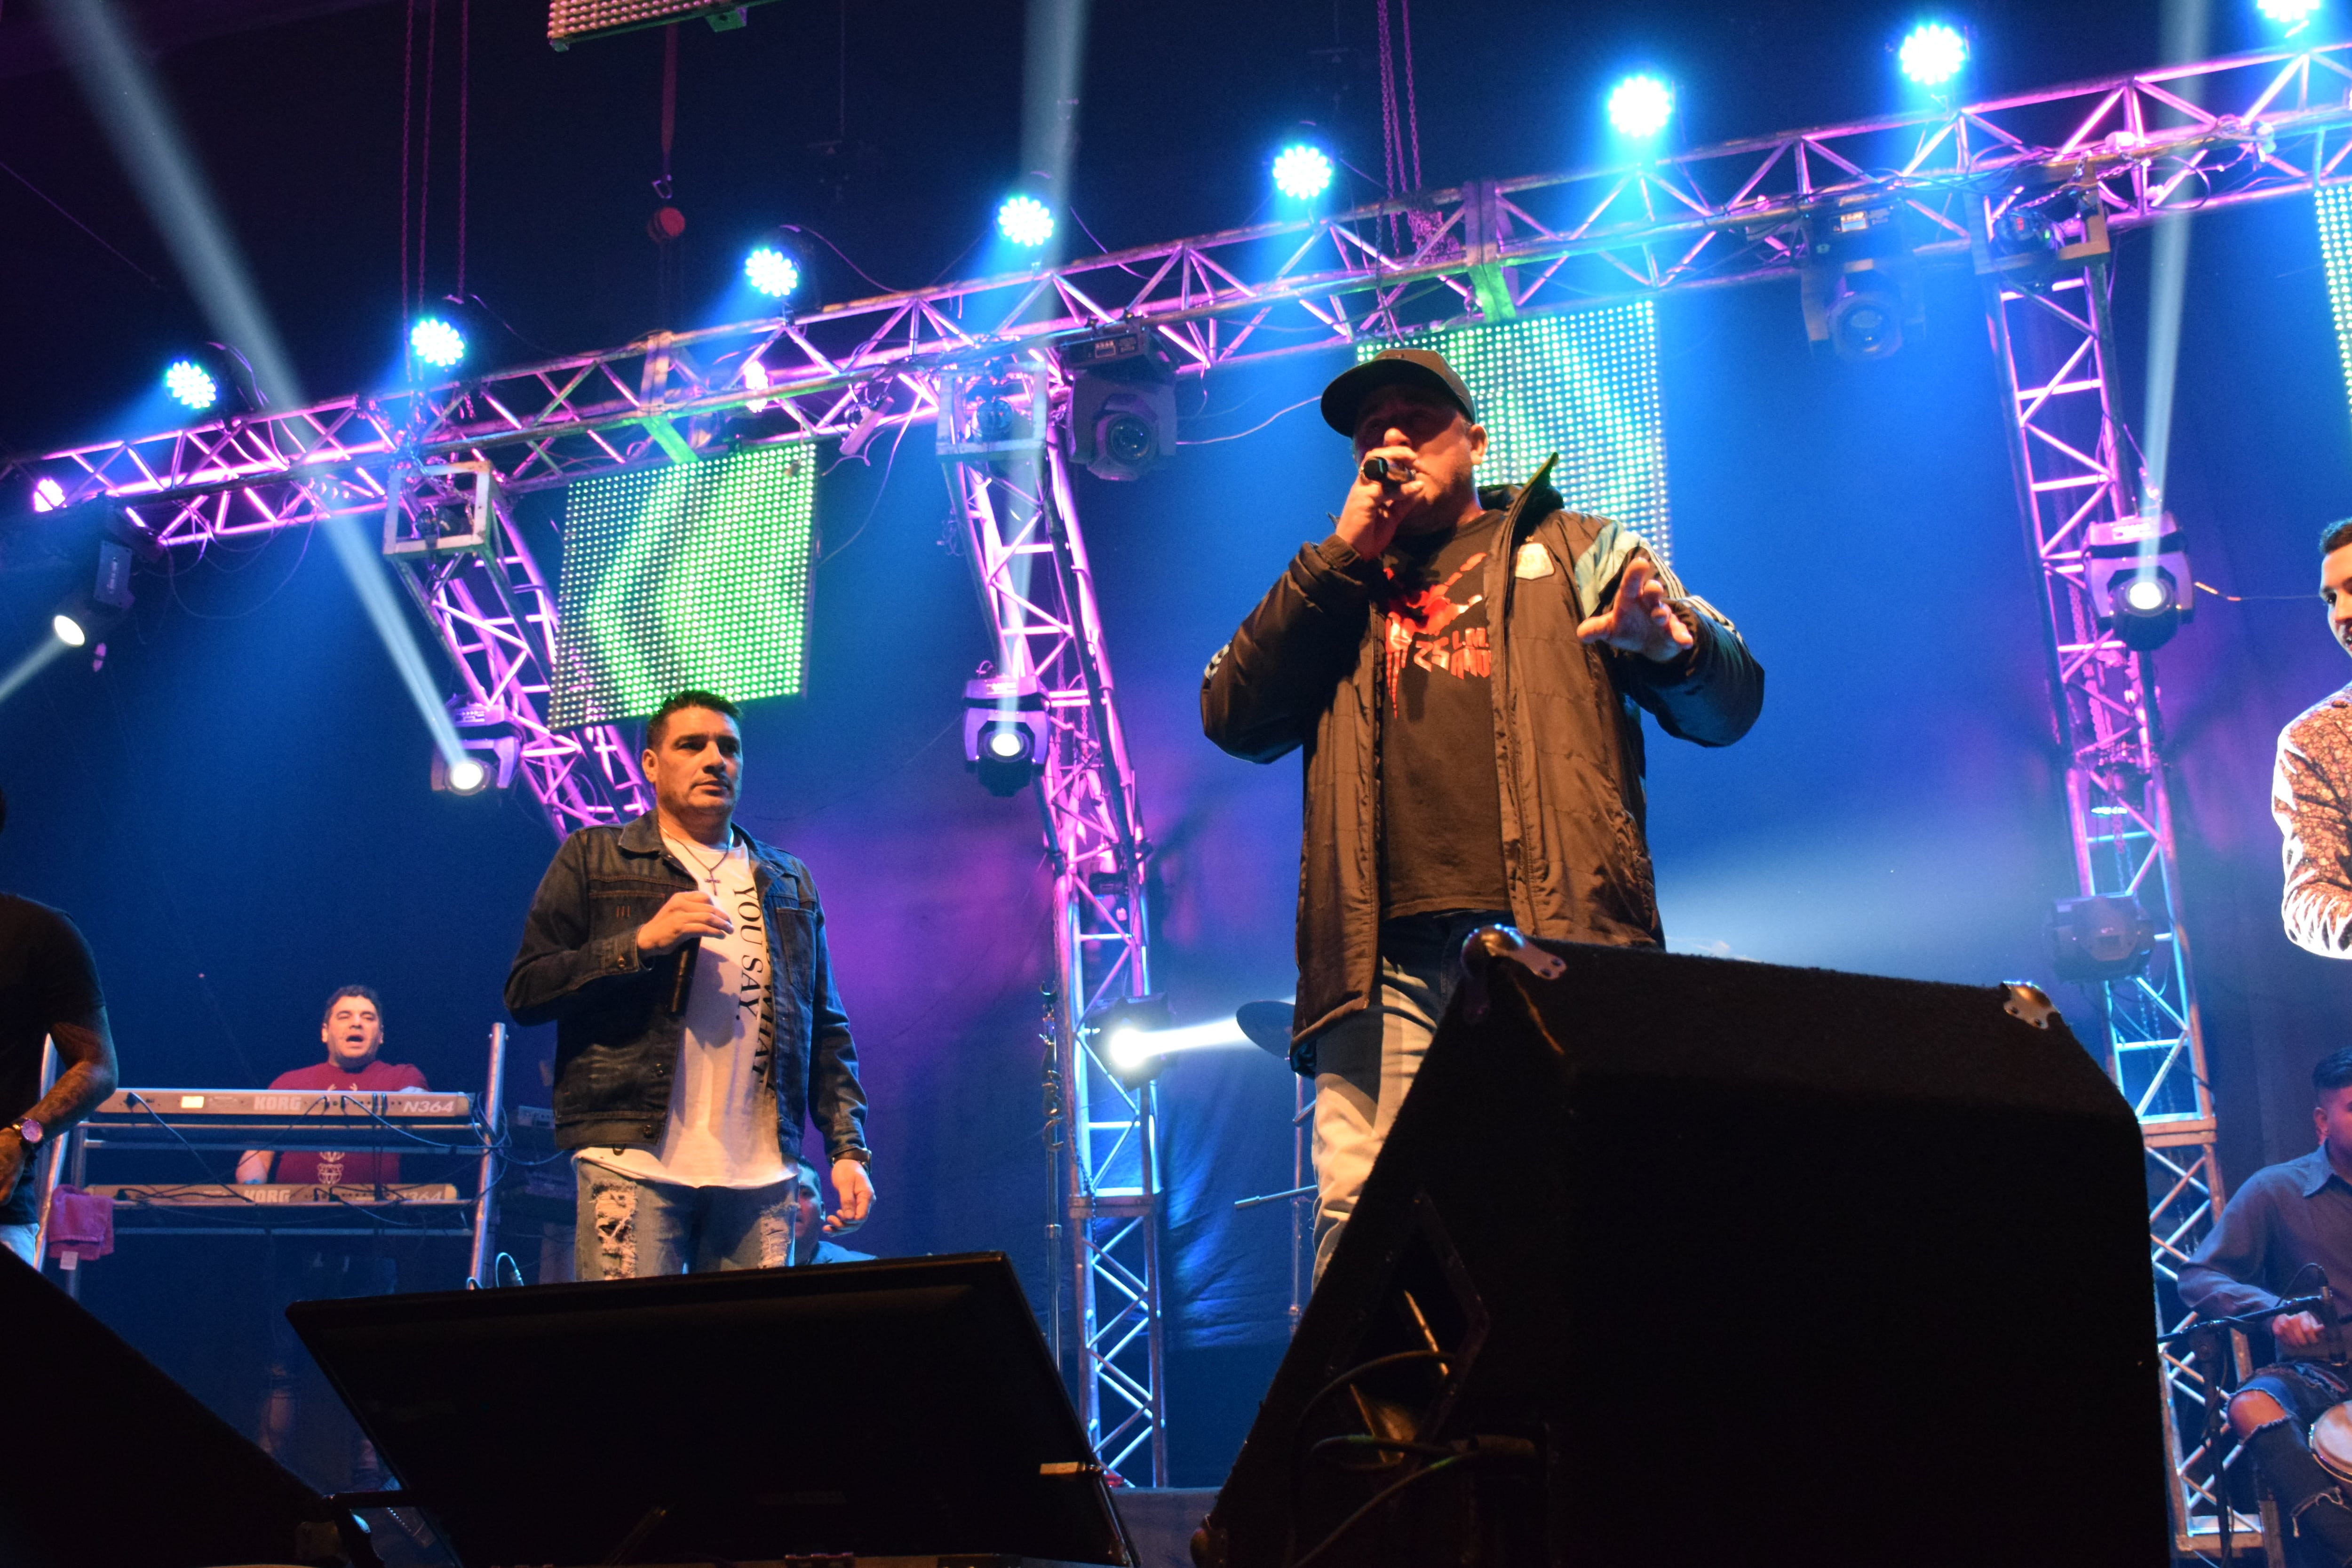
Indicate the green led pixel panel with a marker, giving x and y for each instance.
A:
(1584, 385)
(695, 574)
(2336, 245)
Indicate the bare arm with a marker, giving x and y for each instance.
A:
(87, 1049)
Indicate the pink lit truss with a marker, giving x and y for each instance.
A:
(2272, 123)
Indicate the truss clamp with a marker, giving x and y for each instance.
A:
(441, 509)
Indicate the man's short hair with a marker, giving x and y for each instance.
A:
(2336, 536)
(659, 722)
(340, 992)
(2333, 1071)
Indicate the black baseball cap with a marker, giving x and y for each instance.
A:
(1391, 367)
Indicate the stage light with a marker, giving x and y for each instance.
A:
(755, 374)
(2293, 15)
(1302, 173)
(47, 494)
(1122, 404)
(2099, 938)
(1932, 54)
(1004, 730)
(1858, 282)
(187, 381)
(68, 629)
(2138, 576)
(771, 272)
(488, 751)
(1132, 1034)
(1640, 106)
(1025, 221)
(436, 342)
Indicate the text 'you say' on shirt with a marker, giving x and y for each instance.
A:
(721, 1130)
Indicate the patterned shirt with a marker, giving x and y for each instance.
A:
(2311, 798)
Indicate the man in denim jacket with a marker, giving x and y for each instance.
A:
(684, 964)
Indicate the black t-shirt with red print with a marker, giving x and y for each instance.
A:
(1441, 806)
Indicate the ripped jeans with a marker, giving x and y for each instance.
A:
(2313, 1501)
(629, 1229)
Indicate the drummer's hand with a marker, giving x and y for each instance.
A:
(2296, 1330)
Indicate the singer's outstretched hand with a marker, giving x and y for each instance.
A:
(1637, 619)
(2296, 1330)
(686, 917)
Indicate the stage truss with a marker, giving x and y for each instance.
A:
(1981, 184)
(998, 435)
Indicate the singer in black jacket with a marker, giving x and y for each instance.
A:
(697, 1023)
(2288, 1232)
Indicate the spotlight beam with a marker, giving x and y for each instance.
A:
(36, 659)
(2184, 27)
(139, 120)
(1055, 41)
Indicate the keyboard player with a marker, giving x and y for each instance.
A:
(304, 1269)
(352, 1032)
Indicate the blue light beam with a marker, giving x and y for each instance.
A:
(139, 122)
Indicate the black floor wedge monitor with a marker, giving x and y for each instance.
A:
(887, 1409)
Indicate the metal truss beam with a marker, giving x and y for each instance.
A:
(996, 432)
(2241, 128)
(2053, 337)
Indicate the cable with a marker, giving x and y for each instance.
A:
(2252, 598)
(803, 228)
(69, 217)
(888, 463)
(1383, 1495)
(1212, 440)
(1349, 1376)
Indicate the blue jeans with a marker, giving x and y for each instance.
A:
(629, 1229)
(1365, 1063)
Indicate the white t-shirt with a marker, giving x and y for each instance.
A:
(723, 1115)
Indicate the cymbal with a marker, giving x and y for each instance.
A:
(1268, 1025)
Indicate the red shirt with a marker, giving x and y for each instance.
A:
(330, 1168)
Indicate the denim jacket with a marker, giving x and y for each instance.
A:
(617, 1041)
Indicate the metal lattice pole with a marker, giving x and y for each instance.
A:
(1029, 562)
(2053, 340)
(459, 555)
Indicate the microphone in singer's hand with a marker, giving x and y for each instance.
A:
(1384, 471)
(687, 957)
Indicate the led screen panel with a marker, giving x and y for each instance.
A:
(1584, 385)
(695, 574)
(2336, 245)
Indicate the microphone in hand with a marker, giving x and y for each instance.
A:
(1384, 471)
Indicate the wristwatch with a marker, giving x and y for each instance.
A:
(30, 1131)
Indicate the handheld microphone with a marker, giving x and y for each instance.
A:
(1384, 471)
(687, 957)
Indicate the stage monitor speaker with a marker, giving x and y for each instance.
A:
(113, 1465)
(1686, 1261)
(902, 1408)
